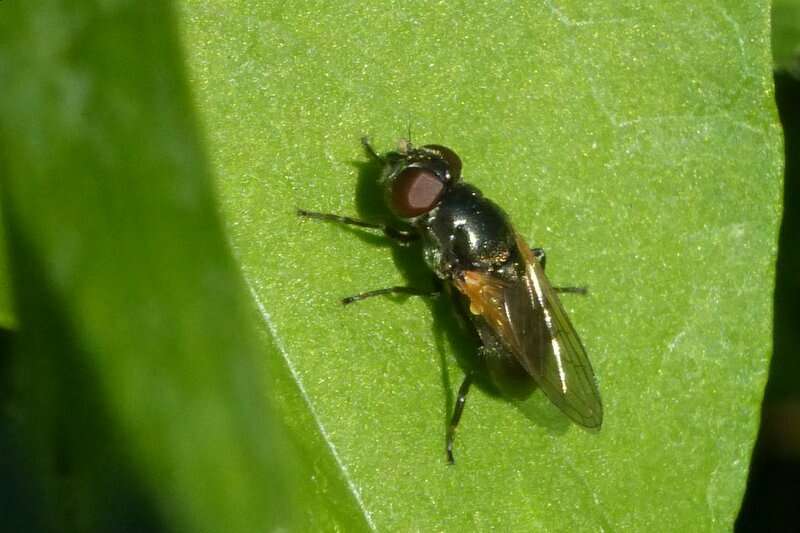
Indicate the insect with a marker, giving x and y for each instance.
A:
(497, 281)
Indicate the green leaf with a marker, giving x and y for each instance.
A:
(786, 33)
(638, 144)
(7, 319)
(146, 391)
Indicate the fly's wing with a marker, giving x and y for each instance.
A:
(550, 348)
(528, 318)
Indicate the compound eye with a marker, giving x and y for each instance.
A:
(416, 190)
(453, 161)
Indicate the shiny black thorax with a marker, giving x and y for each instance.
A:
(467, 231)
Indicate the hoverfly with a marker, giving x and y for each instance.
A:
(499, 282)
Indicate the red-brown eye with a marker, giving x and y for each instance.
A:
(453, 161)
(416, 190)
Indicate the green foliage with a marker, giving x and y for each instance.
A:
(143, 380)
(786, 33)
(638, 145)
(7, 319)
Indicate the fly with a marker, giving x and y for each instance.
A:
(495, 277)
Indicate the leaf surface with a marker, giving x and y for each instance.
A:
(637, 144)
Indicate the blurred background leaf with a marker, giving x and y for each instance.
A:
(141, 379)
(786, 33)
(7, 320)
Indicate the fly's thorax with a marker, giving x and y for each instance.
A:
(432, 247)
(466, 232)
(433, 258)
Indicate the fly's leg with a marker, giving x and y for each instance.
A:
(459, 408)
(583, 291)
(540, 256)
(413, 291)
(399, 235)
(370, 150)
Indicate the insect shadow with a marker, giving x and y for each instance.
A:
(448, 327)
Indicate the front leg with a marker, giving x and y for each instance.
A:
(399, 235)
(400, 289)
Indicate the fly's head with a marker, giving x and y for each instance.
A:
(418, 178)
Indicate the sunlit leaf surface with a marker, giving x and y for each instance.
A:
(636, 142)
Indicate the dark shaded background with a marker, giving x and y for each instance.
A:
(772, 500)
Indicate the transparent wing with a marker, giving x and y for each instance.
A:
(528, 318)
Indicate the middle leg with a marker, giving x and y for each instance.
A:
(461, 400)
(540, 256)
